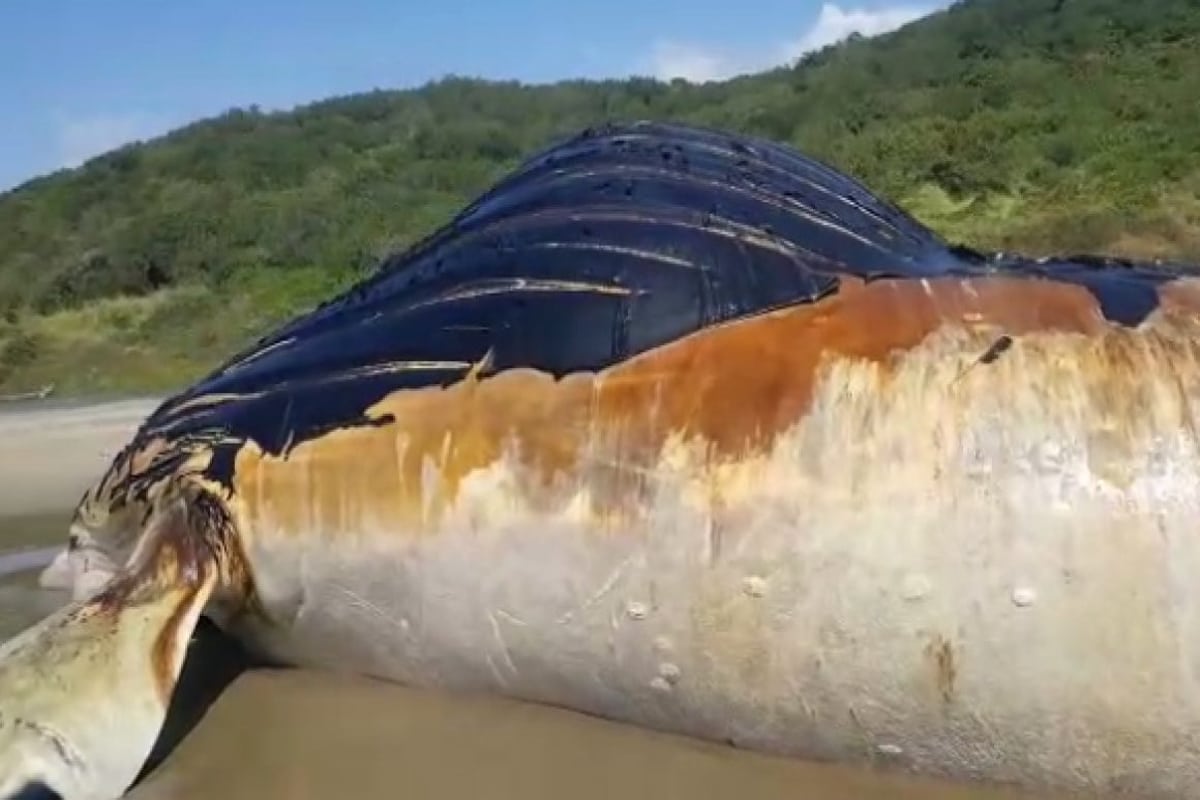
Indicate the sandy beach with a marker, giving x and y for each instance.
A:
(295, 734)
(50, 453)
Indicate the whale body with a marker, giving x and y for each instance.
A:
(685, 429)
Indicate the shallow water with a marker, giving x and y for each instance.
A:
(26, 543)
(275, 734)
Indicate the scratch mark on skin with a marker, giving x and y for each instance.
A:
(282, 343)
(715, 534)
(400, 447)
(288, 443)
(984, 725)
(305, 594)
(496, 673)
(494, 287)
(649, 255)
(713, 540)
(729, 229)
(357, 601)
(862, 729)
(285, 419)
(66, 751)
(206, 401)
(481, 367)
(605, 588)
(499, 634)
(807, 708)
(417, 365)
(507, 617)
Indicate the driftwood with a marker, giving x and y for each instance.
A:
(40, 394)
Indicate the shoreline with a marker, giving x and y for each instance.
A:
(50, 455)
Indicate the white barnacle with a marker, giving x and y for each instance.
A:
(916, 587)
(754, 586)
(1024, 596)
(636, 610)
(1050, 458)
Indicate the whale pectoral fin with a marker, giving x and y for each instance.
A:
(84, 693)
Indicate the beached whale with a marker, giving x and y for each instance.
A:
(681, 428)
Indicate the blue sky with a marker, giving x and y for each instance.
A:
(78, 78)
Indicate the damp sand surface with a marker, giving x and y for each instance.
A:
(295, 734)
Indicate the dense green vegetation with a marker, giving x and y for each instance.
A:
(1038, 125)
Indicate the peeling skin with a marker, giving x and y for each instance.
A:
(608, 429)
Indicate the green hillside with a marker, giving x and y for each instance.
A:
(1041, 125)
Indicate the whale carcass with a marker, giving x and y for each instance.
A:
(681, 428)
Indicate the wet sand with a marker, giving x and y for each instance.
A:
(299, 735)
(295, 734)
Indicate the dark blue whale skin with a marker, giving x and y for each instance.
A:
(619, 239)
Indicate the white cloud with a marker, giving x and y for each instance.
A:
(835, 23)
(81, 138)
(699, 63)
(691, 62)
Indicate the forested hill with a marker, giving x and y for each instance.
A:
(1041, 125)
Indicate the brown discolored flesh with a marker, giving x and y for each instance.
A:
(736, 387)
